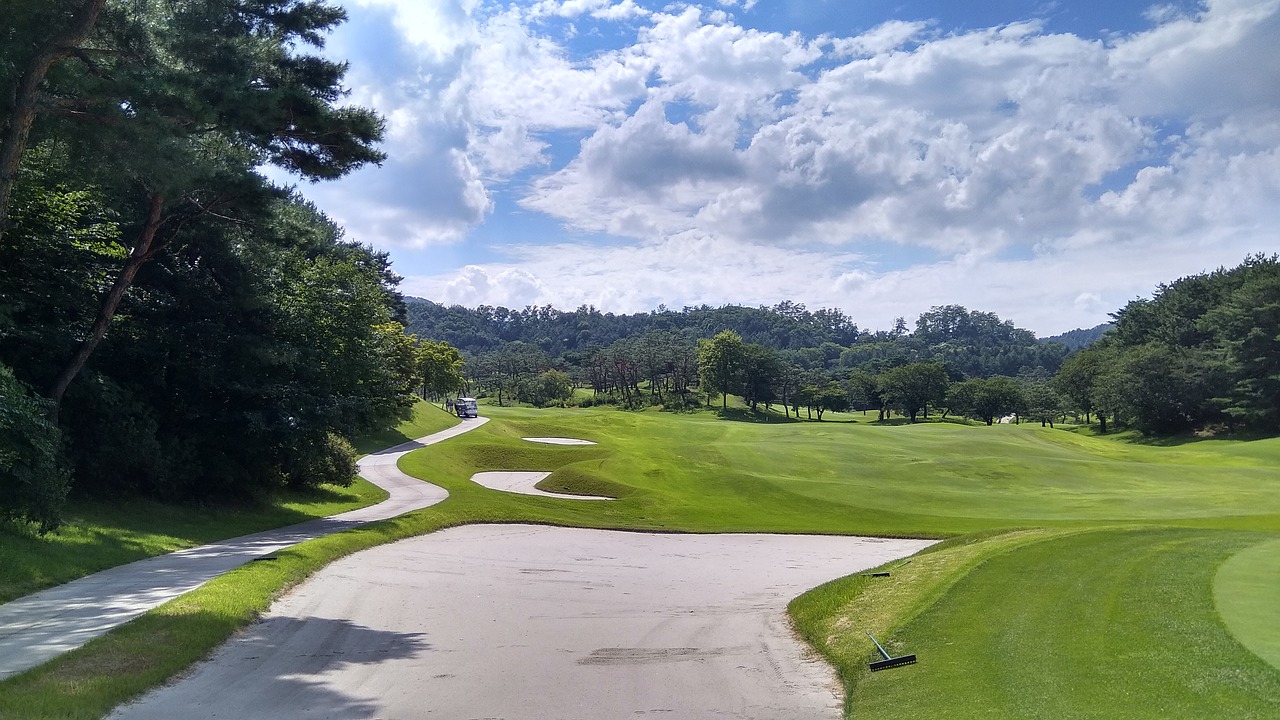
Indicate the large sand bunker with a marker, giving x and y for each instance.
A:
(526, 623)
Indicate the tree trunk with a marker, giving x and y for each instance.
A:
(23, 98)
(139, 256)
(1102, 419)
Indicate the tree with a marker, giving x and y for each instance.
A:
(24, 68)
(548, 387)
(996, 397)
(720, 362)
(1043, 403)
(439, 367)
(831, 396)
(864, 392)
(1076, 378)
(175, 104)
(33, 479)
(1248, 324)
(913, 387)
(760, 370)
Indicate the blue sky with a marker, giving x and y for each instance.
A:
(1047, 161)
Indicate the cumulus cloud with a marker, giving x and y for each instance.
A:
(1005, 153)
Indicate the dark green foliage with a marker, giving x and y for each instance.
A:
(1202, 352)
(33, 480)
(321, 459)
(913, 388)
(1082, 338)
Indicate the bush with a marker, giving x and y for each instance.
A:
(322, 459)
(33, 477)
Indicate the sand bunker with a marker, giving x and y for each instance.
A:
(523, 483)
(559, 441)
(523, 622)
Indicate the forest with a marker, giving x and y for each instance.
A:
(1203, 353)
(171, 323)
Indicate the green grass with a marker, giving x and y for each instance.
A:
(1108, 624)
(1067, 588)
(425, 419)
(1247, 592)
(98, 535)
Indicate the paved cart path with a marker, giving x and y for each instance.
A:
(520, 622)
(43, 625)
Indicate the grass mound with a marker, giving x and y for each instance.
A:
(580, 479)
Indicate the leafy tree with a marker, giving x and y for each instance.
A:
(33, 479)
(1248, 324)
(1042, 402)
(760, 370)
(174, 104)
(548, 387)
(864, 392)
(913, 387)
(1077, 376)
(830, 396)
(720, 364)
(439, 368)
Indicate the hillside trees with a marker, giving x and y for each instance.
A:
(1201, 352)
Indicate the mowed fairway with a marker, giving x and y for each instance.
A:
(1108, 612)
(701, 473)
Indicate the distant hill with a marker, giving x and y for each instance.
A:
(1076, 339)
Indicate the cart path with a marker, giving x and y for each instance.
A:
(39, 627)
(521, 622)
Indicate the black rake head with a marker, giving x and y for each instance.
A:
(892, 663)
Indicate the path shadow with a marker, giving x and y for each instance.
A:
(274, 669)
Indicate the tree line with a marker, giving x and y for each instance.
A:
(172, 324)
(1202, 354)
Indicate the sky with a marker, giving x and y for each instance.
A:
(1046, 161)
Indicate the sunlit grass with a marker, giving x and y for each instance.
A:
(1056, 596)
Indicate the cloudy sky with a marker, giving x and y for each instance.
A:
(1047, 161)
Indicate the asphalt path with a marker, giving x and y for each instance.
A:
(39, 627)
(519, 622)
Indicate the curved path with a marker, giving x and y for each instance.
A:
(38, 627)
(521, 622)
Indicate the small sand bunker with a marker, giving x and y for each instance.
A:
(559, 441)
(523, 483)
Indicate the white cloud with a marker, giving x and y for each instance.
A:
(755, 151)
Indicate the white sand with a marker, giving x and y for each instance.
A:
(524, 483)
(532, 623)
(558, 441)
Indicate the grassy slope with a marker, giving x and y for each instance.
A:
(694, 472)
(99, 535)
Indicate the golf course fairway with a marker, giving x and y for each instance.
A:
(1078, 577)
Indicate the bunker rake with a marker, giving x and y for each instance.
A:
(889, 661)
